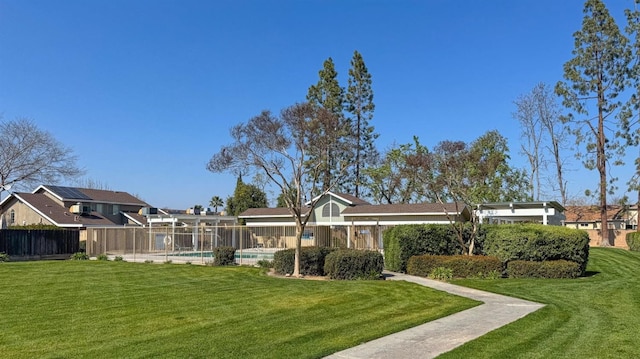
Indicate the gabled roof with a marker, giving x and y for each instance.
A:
(89, 195)
(136, 218)
(58, 214)
(591, 214)
(347, 198)
(269, 212)
(404, 209)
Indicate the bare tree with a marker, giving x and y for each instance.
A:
(92, 183)
(544, 133)
(30, 156)
(279, 148)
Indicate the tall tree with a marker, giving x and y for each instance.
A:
(359, 104)
(597, 75)
(331, 132)
(630, 119)
(277, 146)
(215, 202)
(544, 134)
(30, 156)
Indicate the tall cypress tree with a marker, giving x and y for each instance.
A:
(331, 132)
(595, 77)
(359, 104)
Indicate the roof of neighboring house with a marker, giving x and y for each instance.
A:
(58, 214)
(269, 212)
(404, 209)
(135, 217)
(517, 205)
(590, 213)
(91, 195)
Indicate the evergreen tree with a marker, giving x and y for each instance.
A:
(359, 104)
(331, 132)
(596, 75)
(245, 196)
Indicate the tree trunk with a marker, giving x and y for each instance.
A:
(601, 163)
(296, 262)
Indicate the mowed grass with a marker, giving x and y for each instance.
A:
(597, 316)
(82, 309)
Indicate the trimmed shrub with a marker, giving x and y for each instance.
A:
(4, 257)
(461, 266)
(224, 256)
(535, 242)
(403, 242)
(547, 269)
(354, 264)
(633, 241)
(312, 260)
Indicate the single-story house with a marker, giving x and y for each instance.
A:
(547, 213)
(588, 217)
(344, 220)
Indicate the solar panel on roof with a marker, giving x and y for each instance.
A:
(68, 192)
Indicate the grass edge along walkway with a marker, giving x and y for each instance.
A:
(442, 335)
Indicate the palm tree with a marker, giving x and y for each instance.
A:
(216, 202)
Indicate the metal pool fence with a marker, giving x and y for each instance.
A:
(195, 244)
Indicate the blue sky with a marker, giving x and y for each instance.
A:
(145, 92)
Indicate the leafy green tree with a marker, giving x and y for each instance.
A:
(596, 75)
(216, 202)
(398, 177)
(245, 196)
(359, 104)
(330, 132)
(470, 174)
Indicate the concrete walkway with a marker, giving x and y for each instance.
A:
(442, 335)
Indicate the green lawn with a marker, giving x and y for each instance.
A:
(73, 309)
(593, 317)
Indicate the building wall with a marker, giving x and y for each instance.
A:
(24, 215)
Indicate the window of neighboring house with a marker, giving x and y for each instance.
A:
(100, 208)
(584, 224)
(330, 210)
(12, 217)
(116, 209)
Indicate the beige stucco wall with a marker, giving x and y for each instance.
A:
(24, 215)
(619, 237)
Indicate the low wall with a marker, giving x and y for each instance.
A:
(618, 235)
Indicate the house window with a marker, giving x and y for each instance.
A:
(330, 210)
(100, 208)
(584, 224)
(116, 209)
(12, 217)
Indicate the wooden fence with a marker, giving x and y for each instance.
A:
(39, 243)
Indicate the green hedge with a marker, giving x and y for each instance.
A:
(312, 260)
(354, 264)
(535, 242)
(404, 241)
(460, 265)
(224, 256)
(547, 269)
(633, 241)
